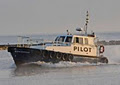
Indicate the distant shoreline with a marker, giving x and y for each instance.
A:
(111, 42)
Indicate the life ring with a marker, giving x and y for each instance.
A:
(101, 49)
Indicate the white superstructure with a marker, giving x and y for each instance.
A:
(75, 44)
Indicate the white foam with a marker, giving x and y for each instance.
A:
(63, 64)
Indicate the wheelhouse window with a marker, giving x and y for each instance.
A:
(61, 38)
(81, 40)
(68, 39)
(86, 41)
(57, 39)
(78, 40)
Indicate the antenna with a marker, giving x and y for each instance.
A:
(68, 33)
(86, 24)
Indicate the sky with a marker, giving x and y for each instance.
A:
(20, 17)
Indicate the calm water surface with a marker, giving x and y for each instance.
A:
(63, 73)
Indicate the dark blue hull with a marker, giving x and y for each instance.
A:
(23, 55)
(27, 55)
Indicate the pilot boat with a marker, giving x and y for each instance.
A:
(80, 47)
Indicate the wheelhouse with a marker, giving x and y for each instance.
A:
(75, 39)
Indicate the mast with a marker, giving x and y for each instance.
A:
(86, 24)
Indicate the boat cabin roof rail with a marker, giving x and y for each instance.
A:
(24, 41)
(21, 41)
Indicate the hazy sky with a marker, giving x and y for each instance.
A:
(19, 17)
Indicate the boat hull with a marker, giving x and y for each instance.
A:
(23, 55)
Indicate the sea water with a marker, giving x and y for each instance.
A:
(62, 73)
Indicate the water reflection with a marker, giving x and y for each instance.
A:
(28, 70)
(35, 69)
